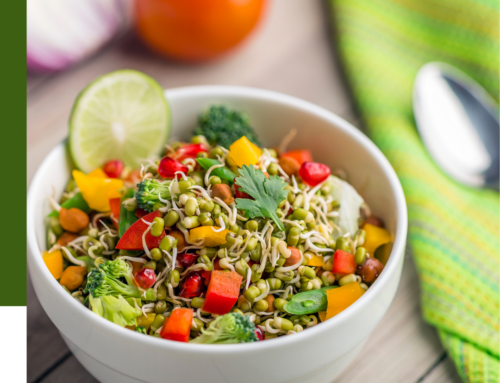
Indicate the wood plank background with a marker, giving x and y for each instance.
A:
(292, 53)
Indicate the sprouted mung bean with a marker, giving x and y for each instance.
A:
(269, 236)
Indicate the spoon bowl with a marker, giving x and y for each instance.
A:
(458, 122)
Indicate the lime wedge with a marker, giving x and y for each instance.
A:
(121, 115)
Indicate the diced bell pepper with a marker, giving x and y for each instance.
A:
(208, 233)
(243, 152)
(98, 191)
(341, 298)
(54, 262)
(375, 237)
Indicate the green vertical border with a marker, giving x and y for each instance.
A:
(13, 152)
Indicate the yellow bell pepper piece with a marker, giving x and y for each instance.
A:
(98, 173)
(375, 237)
(98, 191)
(54, 262)
(316, 260)
(146, 320)
(322, 315)
(341, 298)
(207, 233)
(243, 152)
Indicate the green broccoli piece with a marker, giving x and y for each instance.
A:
(223, 126)
(228, 328)
(149, 193)
(115, 309)
(105, 280)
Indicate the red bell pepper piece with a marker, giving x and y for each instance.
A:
(223, 291)
(168, 167)
(299, 155)
(343, 263)
(115, 205)
(190, 151)
(139, 213)
(132, 238)
(178, 325)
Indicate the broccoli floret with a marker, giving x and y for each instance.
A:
(115, 309)
(228, 328)
(105, 280)
(223, 126)
(150, 191)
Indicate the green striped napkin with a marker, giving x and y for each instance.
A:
(454, 230)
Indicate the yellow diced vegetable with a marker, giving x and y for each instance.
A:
(316, 260)
(98, 173)
(146, 320)
(341, 298)
(322, 316)
(54, 262)
(98, 191)
(375, 237)
(207, 233)
(243, 152)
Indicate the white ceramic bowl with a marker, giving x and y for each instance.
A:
(114, 354)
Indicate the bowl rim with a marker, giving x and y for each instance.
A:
(287, 341)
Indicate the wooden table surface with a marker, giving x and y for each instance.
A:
(291, 53)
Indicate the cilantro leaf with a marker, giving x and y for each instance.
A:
(268, 193)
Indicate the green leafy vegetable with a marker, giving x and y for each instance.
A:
(115, 309)
(223, 126)
(268, 193)
(105, 280)
(308, 302)
(228, 328)
(150, 191)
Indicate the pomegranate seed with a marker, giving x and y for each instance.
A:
(113, 168)
(168, 167)
(313, 173)
(145, 278)
(259, 333)
(186, 259)
(192, 285)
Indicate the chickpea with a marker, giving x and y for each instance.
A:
(72, 277)
(224, 192)
(289, 165)
(370, 269)
(181, 241)
(270, 301)
(73, 220)
(66, 238)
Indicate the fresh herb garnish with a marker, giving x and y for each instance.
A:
(268, 193)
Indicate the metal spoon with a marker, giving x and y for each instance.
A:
(458, 122)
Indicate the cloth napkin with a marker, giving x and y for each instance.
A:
(453, 229)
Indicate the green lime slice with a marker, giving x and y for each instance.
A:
(121, 115)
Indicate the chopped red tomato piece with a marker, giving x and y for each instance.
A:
(313, 173)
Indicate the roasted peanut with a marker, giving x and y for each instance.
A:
(370, 269)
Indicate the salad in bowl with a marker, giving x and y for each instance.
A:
(221, 239)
